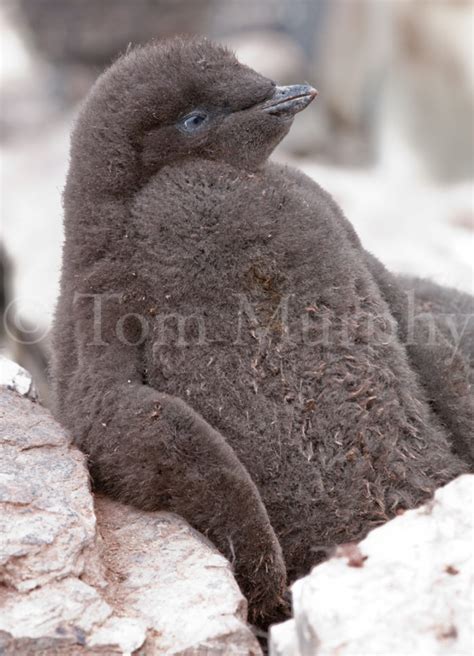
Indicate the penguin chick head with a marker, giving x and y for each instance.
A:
(180, 99)
(221, 110)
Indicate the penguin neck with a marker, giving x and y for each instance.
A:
(100, 185)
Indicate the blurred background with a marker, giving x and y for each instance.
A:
(391, 134)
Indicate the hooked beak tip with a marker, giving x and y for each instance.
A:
(287, 101)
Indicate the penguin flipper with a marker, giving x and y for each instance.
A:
(154, 451)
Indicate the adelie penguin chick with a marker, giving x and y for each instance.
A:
(224, 347)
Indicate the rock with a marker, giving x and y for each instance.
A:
(15, 378)
(46, 520)
(162, 570)
(284, 639)
(85, 575)
(405, 589)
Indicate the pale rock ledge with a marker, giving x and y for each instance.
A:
(406, 590)
(83, 575)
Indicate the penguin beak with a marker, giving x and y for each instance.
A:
(287, 101)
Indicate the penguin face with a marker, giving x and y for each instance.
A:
(223, 111)
(180, 99)
(218, 109)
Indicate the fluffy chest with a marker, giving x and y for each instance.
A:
(242, 269)
(208, 236)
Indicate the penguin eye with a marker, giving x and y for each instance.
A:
(193, 121)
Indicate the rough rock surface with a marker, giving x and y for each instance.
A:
(80, 575)
(405, 589)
